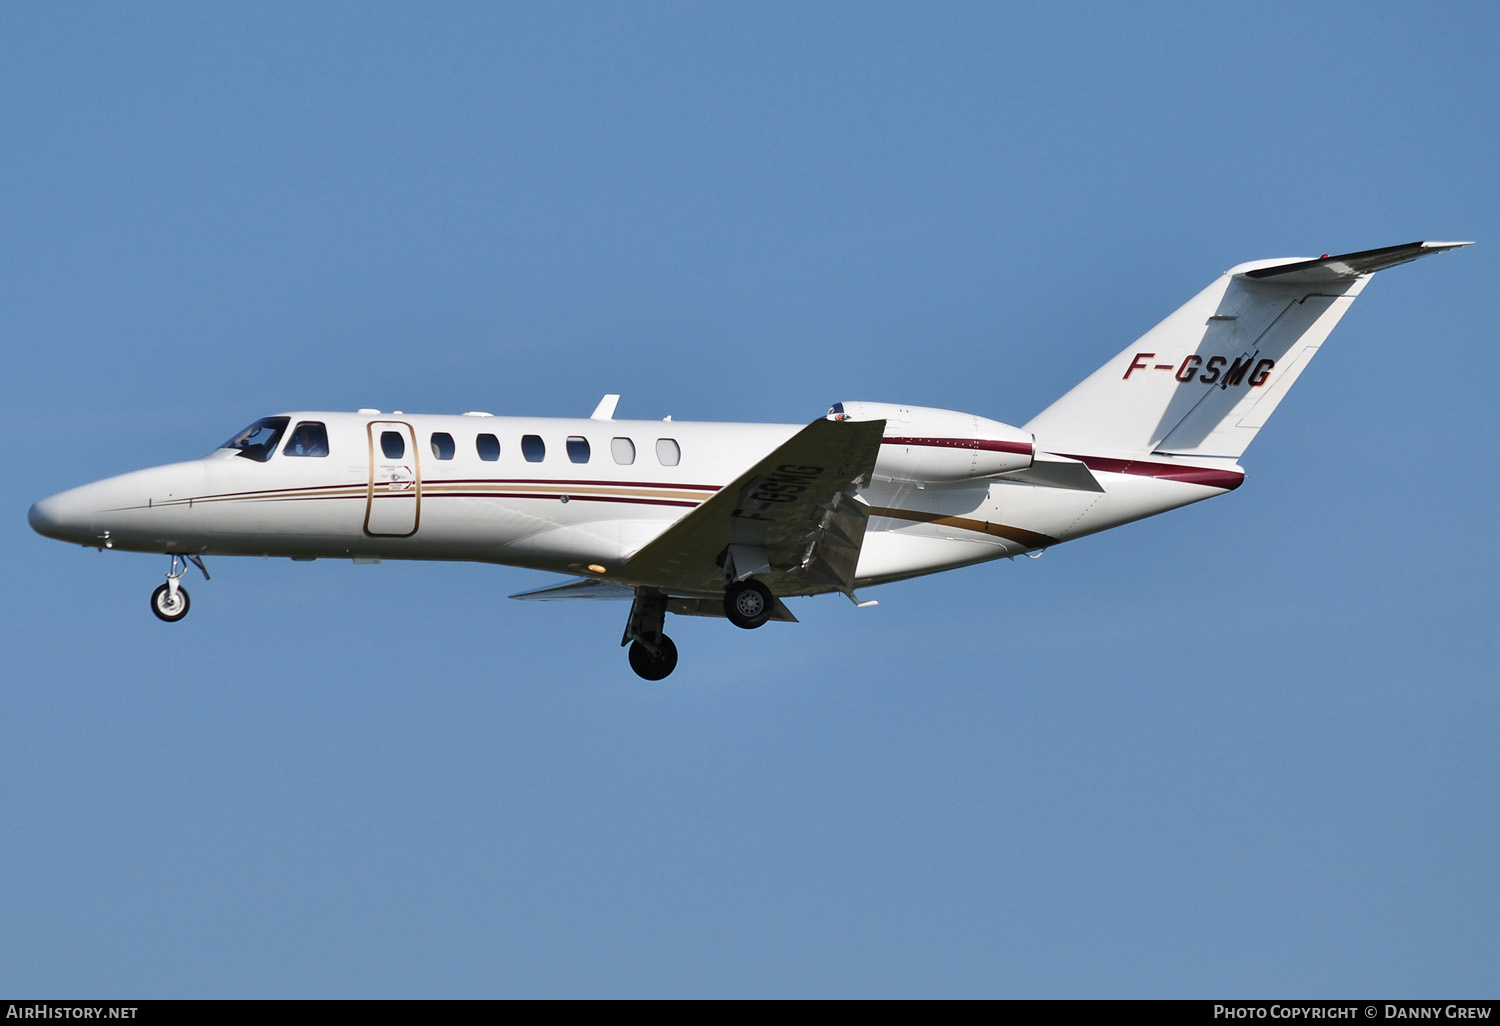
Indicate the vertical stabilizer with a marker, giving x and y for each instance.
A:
(1204, 381)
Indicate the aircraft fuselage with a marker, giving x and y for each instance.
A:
(549, 494)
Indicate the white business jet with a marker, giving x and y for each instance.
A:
(730, 520)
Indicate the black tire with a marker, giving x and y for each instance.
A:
(653, 667)
(748, 604)
(165, 609)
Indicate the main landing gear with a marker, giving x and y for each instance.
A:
(170, 601)
(652, 654)
(748, 603)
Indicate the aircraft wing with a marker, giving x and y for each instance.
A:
(592, 588)
(579, 588)
(793, 520)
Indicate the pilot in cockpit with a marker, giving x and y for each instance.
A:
(310, 439)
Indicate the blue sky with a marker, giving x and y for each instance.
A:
(1243, 749)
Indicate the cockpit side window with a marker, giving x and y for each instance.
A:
(258, 441)
(309, 438)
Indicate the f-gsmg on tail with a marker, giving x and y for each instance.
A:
(730, 520)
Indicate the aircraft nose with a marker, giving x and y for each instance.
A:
(45, 517)
(62, 516)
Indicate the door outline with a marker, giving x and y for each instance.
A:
(416, 463)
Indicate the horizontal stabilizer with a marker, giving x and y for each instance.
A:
(1053, 471)
(1349, 265)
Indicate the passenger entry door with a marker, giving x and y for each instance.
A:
(393, 506)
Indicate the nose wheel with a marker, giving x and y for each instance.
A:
(170, 601)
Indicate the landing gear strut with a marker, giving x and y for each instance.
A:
(748, 603)
(652, 654)
(170, 601)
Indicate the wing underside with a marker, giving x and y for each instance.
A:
(596, 590)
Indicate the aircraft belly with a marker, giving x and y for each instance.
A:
(924, 531)
(1126, 498)
(894, 555)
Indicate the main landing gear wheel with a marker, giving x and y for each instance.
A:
(169, 605)
(654, 665)
(748, 604)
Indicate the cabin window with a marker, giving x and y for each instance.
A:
(442, 445)
(668, 453)
(533, 448)
(623, 450)
(488, 447)
(310, 438)
(578, 449)
(392, 444)
(258, 441)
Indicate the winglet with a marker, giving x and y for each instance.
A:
(606, 408)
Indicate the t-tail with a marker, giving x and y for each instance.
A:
(1199, 385)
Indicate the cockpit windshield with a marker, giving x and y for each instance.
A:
(258, 441)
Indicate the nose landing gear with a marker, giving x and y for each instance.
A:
(170, 601)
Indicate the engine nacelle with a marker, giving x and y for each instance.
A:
(927, 445)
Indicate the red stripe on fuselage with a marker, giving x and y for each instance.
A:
(558, 495)
(1019, 448)
(426, 481)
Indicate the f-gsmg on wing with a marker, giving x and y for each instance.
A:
(730, 520)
